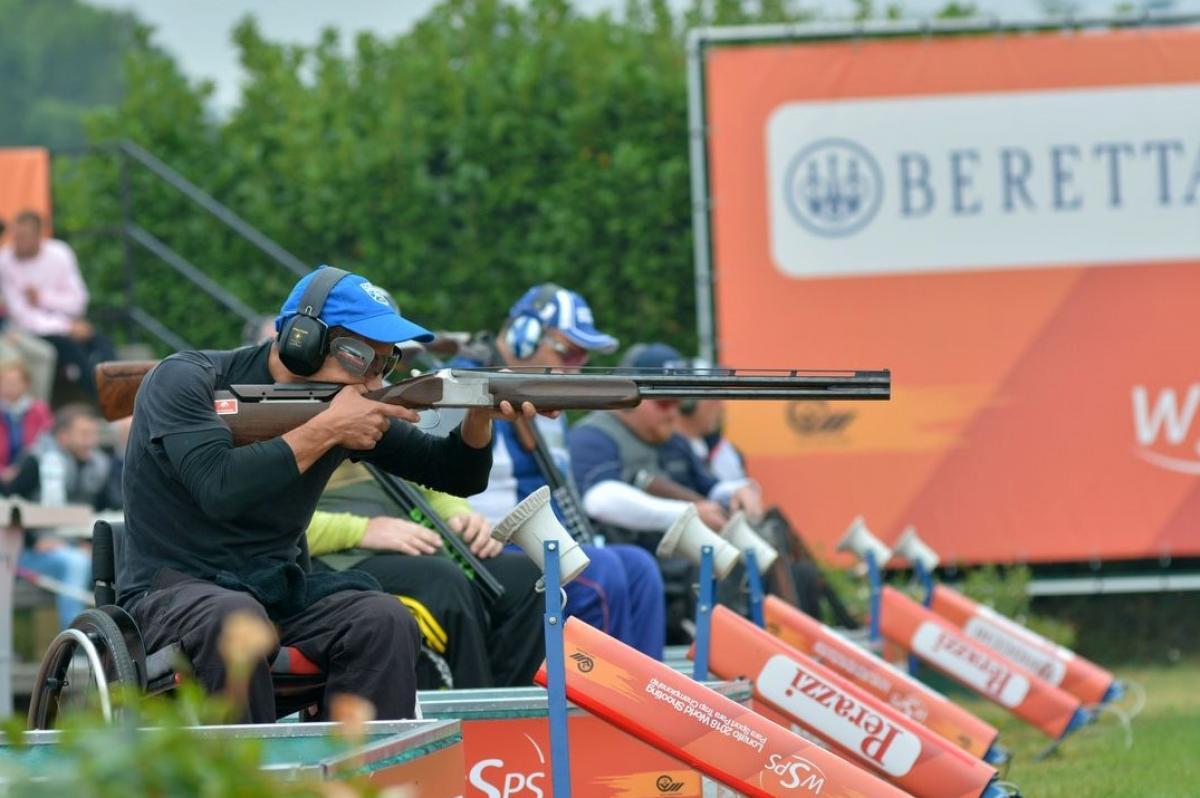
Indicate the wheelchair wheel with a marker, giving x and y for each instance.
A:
(81, 669)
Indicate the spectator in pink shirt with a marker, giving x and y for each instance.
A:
(44, 295)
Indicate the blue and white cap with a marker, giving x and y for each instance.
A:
(567, 312)
(359, 306)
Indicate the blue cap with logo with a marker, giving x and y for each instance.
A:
(565, 311)
(654, 356)
(358, 306)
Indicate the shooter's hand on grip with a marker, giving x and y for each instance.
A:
(349, 420)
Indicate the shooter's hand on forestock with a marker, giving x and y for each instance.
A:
(477, 426)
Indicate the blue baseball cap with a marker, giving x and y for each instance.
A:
(565, 311)
(357, 305)
(654, 356)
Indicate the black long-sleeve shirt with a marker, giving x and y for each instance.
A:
(198, 505)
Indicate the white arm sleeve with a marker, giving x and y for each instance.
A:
(619, 504)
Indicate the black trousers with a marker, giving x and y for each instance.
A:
(485, 646)
(78, 359)
(365, 642)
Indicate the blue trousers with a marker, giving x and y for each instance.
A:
(621, 593)
(66, 564)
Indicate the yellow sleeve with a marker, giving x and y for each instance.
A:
(445, 505)
(330, 532)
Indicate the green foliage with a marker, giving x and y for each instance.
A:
(163, 758)
(59, 59)
(494, 146)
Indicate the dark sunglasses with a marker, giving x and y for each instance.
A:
(360, 358)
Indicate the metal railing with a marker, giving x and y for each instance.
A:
(135, 238)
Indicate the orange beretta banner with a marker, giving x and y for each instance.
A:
(24, 183)
(942, 645)
(701, 727)
(935, 205)
(878, 677)
(1059, 666)
(854, 722)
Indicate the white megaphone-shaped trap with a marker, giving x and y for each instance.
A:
(742, 537)
(689, 535)
(859, 541)
(916, 551)
(530, 524)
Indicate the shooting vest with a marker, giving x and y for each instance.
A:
(639, 460)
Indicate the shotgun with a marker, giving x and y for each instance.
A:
(412, 504)
(261, 412)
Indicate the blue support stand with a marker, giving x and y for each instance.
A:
(925, 578)
(754, 580)
(704, 615)
(556, 675)
(875, 580)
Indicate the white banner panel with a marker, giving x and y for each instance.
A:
(1006, 179)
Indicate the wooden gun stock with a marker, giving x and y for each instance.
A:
(117, 384)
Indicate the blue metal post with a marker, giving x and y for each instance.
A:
(754, 578)
(875, 579)
(925, 578)
(704, 615)
(556, 676)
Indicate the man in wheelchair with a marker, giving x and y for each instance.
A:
(213, 528)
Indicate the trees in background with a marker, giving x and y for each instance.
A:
(495, 145)
(59, 59)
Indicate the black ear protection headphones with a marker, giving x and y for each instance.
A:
(523, 333)
(304, 338)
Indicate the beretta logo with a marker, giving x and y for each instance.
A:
(834, 187)
(583, 661)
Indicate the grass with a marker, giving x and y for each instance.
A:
(1164, 761)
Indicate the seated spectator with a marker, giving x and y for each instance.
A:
(636, 475)
(67, 468)
(612, 451)
(25, 418)
(467, 643)
(44, 295)
(621, 591)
